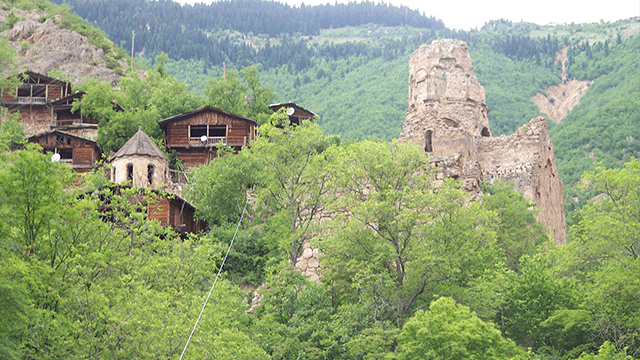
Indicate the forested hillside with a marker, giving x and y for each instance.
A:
(409, 270)
(348, 63)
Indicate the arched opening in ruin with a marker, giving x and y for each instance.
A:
(485, 132)
(129, 172)
(150, 170)
(428, 147)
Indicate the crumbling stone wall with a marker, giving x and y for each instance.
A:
(447, 116)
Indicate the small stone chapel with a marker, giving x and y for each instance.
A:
(140, 161)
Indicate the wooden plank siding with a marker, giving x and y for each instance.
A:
(84, 152)
(239, 131)
(159, 211)
(54, 92)
(192, 157)
(84, 156)
(176, 213)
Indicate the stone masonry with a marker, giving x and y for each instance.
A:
(447, 116)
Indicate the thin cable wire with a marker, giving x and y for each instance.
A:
(216, 280)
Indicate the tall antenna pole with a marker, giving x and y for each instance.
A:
(133, 37)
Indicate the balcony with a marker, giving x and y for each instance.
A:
(214, 140)
(31, 100)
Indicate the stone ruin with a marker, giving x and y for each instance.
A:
(447, 116)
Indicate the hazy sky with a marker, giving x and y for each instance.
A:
(467, 14)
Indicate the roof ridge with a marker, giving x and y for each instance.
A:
(140, 144)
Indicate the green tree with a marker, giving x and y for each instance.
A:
(161, 59)
(11, 132)
(32, 196)
(145, 102)
(219, 189)
(241, 93)
(535, 295)
(293, 176)
(397, 236)
(607, 352)
(451, 331)
(604, 256)
(8, 73)
(518, 232)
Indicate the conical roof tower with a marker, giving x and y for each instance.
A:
(141, 162)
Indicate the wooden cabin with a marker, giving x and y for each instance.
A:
(79, 152)
(33, 97)
(176, 212)
(195, 135)
(296, 113)
(168, 209)
(36, 89)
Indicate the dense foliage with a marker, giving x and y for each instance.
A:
(410, 269)
(85, 274)
(604, 126)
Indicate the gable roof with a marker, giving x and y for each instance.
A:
(207, 108)
(42, 79)
(276, 107)
(79, 95)
(140, 144)
(56, 131)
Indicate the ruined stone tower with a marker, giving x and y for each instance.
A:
(447, 116)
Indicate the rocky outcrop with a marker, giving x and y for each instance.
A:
(308, 263)
(42, 47)
(447, 116)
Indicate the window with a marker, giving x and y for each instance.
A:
(150, 170)
(24, 91)
(427, 141)
(130, 172)
(65, 154)
(198, 131)
(485, 132)
(217, 131)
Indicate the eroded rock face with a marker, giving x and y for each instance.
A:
(45, 46)
(447, 116)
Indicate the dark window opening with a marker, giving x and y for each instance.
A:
(217, 131)
(39, 90)
(427, 141)
(198, 131)
(150, 171)
(24, 91)
(65, 154)
(485, 132)
(130, 172)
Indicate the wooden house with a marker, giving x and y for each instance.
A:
(79, 152)
(176, 212)
(296, 113)
(168, 209)
(73, 122)
(33, 97)
(195, 135)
